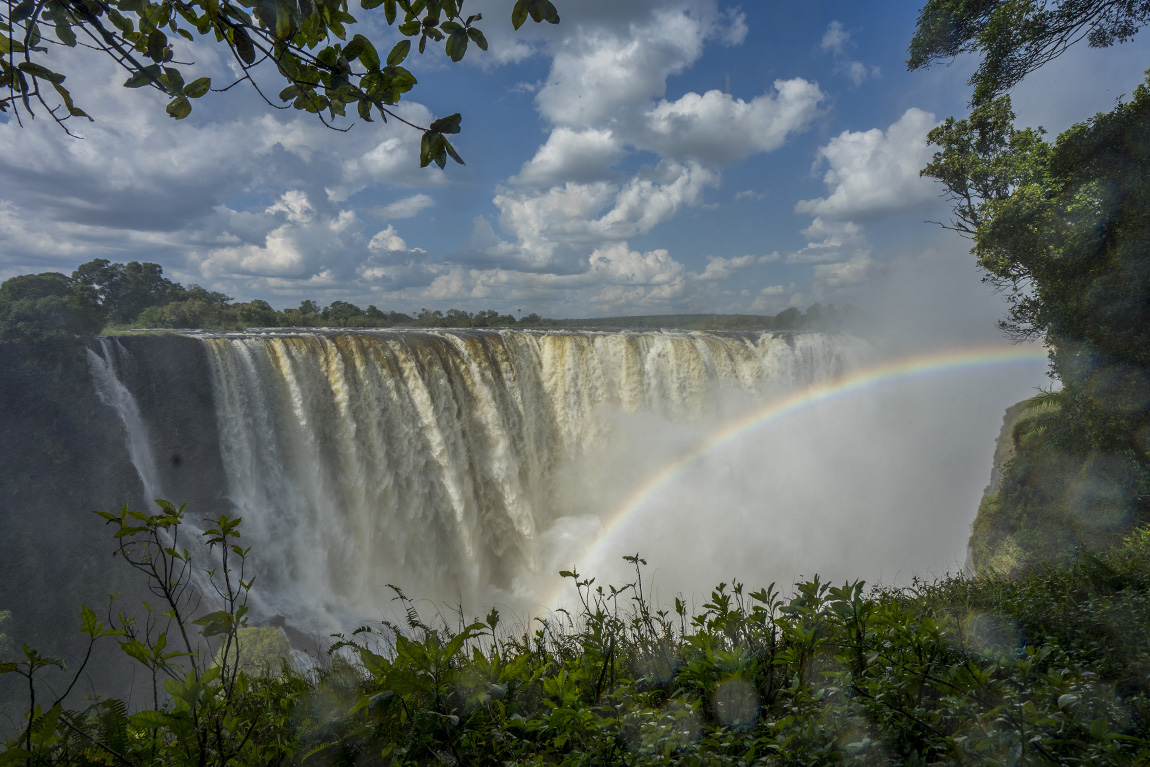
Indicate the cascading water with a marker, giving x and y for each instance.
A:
(113, 393)
(433, 460)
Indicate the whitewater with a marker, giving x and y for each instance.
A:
(460, 465)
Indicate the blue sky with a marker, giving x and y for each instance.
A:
(643, 157)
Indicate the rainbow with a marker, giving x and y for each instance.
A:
(937, 363)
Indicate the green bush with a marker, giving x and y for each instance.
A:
(1050, 668)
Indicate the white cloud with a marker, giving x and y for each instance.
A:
(829, 241)
(405, 207)
(719, 268)
(749, 194)
(618, 264)
(857, 71)
(835, 38)
(571, 155)
(604, 97)
(875, 173)
(837, 41)
(295, 205)
(601, 72)
(716, 128)
(388, 239)
(598, 212)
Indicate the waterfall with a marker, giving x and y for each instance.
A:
(113, 393)
(437, 460)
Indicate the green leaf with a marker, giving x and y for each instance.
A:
(284, 26)
(40, 72)
(146, 76)
(543, 10)
(22, 10)
(437, 151)
(174, 80)
(157, 43)
(243, 45)
(451, 151)
(1099, 727)
(477, 38)
(215, 623)
(289, 93)
(179, 107)
(10, 46)
(15, 756)
(364, 108)
(198, 87)
(152, 720)
(367, 5)
(456, 44)
(409, 28)
(369, 56)
(352, 50)
(399, 53)
(519, 13)
(65, 34)
(449, 124)
(389, 11)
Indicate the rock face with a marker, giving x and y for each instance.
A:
(62, 454)
(988, 507)
(1051, 494)
(1004, 446)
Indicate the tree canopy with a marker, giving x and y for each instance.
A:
(1015, 37)
(49, 307)
(304, 43)
(1062, 228)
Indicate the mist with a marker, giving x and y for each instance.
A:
(879, 484)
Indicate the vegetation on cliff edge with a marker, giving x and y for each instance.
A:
(1046, 669)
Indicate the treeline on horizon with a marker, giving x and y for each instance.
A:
(101, 295)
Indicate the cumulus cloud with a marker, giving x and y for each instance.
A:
(572, 155)
(295, 206)
(604, 98)
(874, 173)
(602, 72)
(597, 212)
(717, 129)
(387, 240)
(617, 263)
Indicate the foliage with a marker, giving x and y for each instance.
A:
(304, 43)
(1056, 494)
(1061, 229)
(1016, 37)
(212, 711)
(1047, 669)
(47, 308)
(137, 295)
